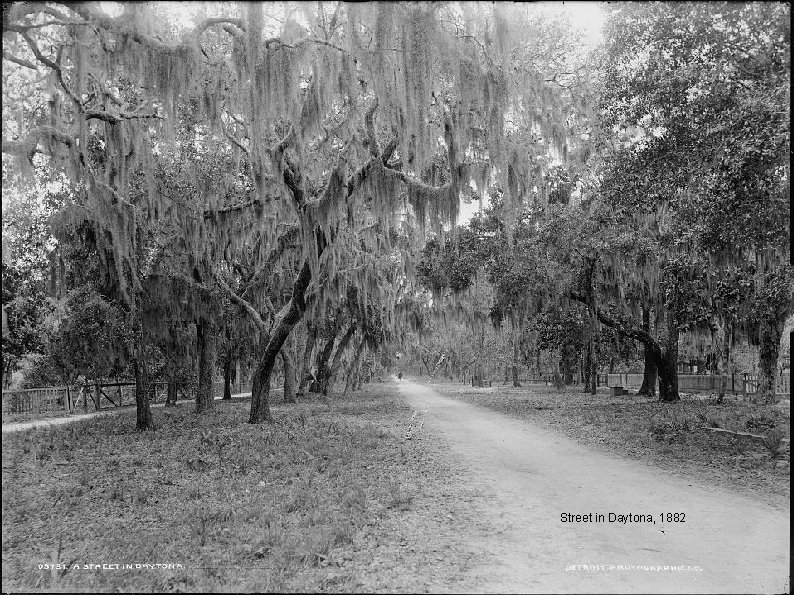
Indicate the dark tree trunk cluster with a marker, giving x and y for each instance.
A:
(662, 353)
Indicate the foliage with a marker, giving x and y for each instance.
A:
(700, 95)
(89, 337)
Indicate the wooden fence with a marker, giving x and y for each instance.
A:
(703, 383)
(37, 400)
(113, 394)
(737, 383)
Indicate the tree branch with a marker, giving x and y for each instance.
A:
(22, 62)
(632, 333)
(211, 214)
(242, 303)
(114, 119)
(285, 240)
(29, 146)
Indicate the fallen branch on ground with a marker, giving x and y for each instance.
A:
(739, 433)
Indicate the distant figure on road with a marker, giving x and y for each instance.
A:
(399, 376)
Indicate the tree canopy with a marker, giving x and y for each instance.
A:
(249, 171)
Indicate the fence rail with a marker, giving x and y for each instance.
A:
(111, 394)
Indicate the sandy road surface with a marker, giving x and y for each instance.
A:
(730, 544)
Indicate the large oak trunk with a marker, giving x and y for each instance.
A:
(668, 361)
(171, 393)
(320, 384)
(304, 377)
(649, 372)
(770, 333)
(143, 412)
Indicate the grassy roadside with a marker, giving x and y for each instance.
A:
(326, 499)
(665, 435)
(79, 412)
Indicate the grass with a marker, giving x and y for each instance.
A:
(298, 505)
(667, 435)
(12, 418)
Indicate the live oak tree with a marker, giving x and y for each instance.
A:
(701, 93)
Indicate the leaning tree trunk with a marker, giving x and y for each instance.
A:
(288, 363)
(205, 397)
(353, 369)
(650, 367)
(284, 321)
(305, 364)
(769, 334)
(333, 369)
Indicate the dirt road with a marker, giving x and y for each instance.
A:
(727, 544)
